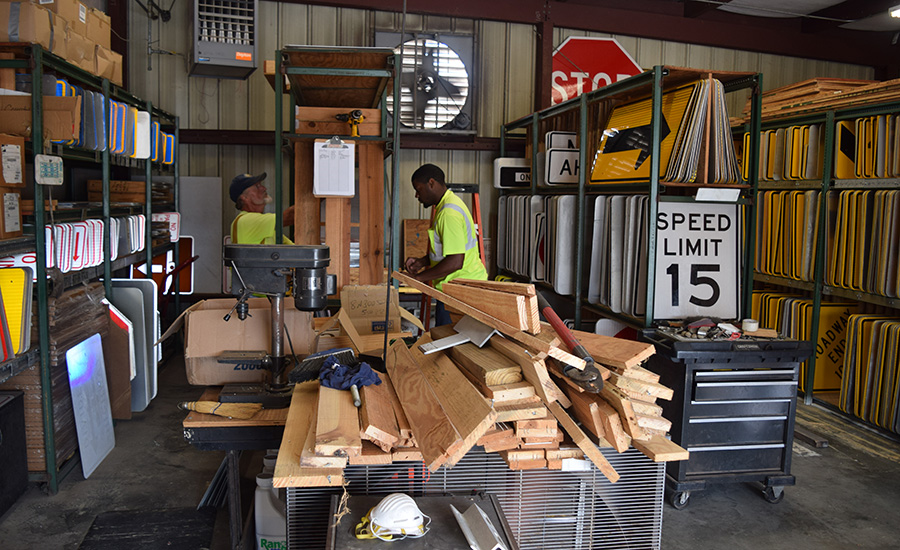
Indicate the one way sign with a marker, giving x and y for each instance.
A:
(626, 142)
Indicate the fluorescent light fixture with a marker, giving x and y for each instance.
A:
(895, 12)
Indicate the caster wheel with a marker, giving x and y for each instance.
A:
(773, 495)
(679, 500)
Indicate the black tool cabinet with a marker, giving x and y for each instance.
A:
(733, 410)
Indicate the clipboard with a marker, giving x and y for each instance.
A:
(333, 168)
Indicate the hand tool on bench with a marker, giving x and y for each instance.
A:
(589, 378)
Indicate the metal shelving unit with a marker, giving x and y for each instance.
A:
(650, 83)
(352, 79)
(817, 286)
(34, 59)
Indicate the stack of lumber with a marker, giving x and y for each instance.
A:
(820, 94)
(435, 407)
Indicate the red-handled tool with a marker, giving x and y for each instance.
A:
(588, 378)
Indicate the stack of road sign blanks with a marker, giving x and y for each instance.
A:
(537, 238)
(789, 154)
(867, 147)
(619, 251)
(695, 139)
(871, 381)
(787, 223)
(15, 288)
(792, 317)
(864, 241)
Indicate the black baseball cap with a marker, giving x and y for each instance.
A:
(241, 183)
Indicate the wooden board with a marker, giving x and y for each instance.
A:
(337, 229)
(538, 427)
(415, 238)
(484, 364)
(622, 404)
(616, 352)
(523, 409)
(308, 456)
(510, 392)
(645, 390)
(337, 424)
(288, 472)
(321, 121)
(509, 308)
(657, 423)
(307, 214)
(403, 427)
(583, 442)
(533, 370)
(467, 409)
(437, 438)
(371, 213)
(524, 289)
(660, 449)
(377, 421)
(524, 338)
(371, 454)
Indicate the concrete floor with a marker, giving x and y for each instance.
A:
(847, 494)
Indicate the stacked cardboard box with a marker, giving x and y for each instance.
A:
(66, 28)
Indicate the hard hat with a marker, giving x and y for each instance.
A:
(396, 514)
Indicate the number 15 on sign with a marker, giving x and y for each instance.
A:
(697, 261)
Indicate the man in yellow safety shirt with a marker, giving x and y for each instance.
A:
(253, 225)
(452, 238)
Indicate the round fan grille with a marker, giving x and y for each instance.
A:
(434, 86)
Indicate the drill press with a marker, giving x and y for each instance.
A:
(270, 270)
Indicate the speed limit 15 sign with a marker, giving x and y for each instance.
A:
(697, 260)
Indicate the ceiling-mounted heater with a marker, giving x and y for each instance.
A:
(225, 43)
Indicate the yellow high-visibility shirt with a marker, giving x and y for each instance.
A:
(255, 228)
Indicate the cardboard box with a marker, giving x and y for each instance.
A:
(80, 51)
(30, 22)
(11, 218)
(207, 335)
(75, 13)
(59, 40)
(12, 159)
(50, 5)
(62, 116)
(98, 28)
(105, 63)
(365, 306)
(117, 69)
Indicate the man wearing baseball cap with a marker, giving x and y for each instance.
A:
(253, 225)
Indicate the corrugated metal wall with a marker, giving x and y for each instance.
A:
(504, 59)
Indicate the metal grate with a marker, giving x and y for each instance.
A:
(226, 21)
(544, 508)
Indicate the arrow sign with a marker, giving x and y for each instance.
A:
(625, 143)
(635, 138)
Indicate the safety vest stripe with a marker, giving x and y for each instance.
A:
(438, 253)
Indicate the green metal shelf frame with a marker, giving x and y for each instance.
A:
(392, 141)
(36, 59)
(655, 79)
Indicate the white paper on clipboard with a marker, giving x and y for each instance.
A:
(333, 168)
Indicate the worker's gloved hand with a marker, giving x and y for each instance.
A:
(341, 377)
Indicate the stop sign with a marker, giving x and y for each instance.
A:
(583, 64)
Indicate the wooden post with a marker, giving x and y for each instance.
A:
(307, 221)
(371, 213)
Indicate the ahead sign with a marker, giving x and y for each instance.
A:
(583, 64)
